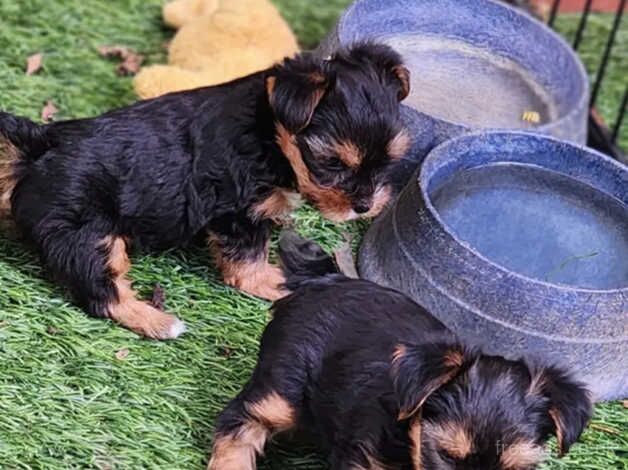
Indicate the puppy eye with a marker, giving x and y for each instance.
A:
(334, 163)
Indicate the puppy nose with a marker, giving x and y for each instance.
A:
(361, 207)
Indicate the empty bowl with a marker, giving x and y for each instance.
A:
(475, 64)
(519, 242)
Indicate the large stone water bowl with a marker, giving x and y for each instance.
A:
(518, 242)
(475, 64)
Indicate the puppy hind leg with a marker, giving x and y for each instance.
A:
(245, 426)
(94, 267)
(240, 250)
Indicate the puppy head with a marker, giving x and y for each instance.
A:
(472, 411)
(338, 124)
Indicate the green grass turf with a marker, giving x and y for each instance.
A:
(65, 400)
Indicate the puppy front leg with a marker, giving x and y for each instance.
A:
(240, 250)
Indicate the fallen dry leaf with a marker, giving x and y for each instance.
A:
(52, 330)
(225, 351)
(130, 61)
(159, 297)
(122, 354)
(131, 65)
(113, 51)
(34, 63)
(345, 261)
(48, 111)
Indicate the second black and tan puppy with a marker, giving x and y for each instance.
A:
(383, 385)
(225, 162)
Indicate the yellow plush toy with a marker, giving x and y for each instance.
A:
(217, 41)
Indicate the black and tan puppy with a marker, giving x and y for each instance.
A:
(384, 385)
(224, 162)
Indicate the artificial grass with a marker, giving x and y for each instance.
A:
(66, 401)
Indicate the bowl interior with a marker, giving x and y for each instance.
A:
(474, 62)
(542, 221)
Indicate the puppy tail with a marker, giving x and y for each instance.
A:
(21, 141)
(31, 140)
(303, 260)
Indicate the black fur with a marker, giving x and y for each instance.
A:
(163, 171)
(330, 352)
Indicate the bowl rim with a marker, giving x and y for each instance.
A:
(583, 76)
(422, 179)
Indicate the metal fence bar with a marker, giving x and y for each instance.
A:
(582, 25)
(607, 52)
(554, 12)
(620, 116)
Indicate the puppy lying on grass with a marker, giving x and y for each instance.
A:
(384, 385)
(224, 162)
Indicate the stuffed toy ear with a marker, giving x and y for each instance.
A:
(570, 406)
(420, 370)
(295, 89)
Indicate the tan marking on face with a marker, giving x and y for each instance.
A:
(332, 203)
(129, 312)
(414, 434)
(452, 437)
(381, 198)
(277, 206)
(9, 155)
(522, 455)
(398, 145)
(348, 153)
(256, 277)
(274, 411)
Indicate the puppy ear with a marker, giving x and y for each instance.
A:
(403, 75)
(570, 406)
(387, 61)
(420, 370)
(295, 89)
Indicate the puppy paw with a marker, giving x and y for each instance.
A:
(258, 278)
(146, 320)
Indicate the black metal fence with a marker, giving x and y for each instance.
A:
(602, 136)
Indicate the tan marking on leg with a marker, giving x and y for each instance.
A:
(136, 315)
(277, 206)
(257, 277)
(237, 451)
(452, 437)
(333, 204)
(398, 145)
(522, 454)
(274, 411)
(348, 153)
(9, 155)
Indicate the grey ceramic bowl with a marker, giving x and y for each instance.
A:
(475, 64)
(519, 242)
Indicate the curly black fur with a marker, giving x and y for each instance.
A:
(163, 171)
(366, 369)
